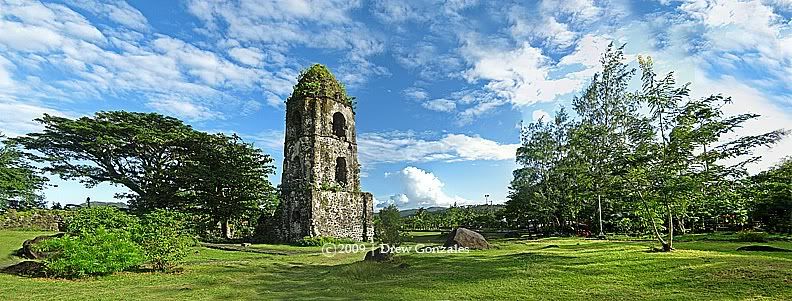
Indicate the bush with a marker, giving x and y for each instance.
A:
(87, 220)
(752, 236)
(164, 238)
(315, 241)
(387, 228)
(95, 253)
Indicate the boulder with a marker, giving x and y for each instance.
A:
(378, 256)
(466, 238)
(27, 247)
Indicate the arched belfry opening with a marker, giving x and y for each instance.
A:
(341, 171)
(339, 125)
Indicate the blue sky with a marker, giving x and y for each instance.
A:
(442, 85)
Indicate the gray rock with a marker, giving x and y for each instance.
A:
(462, 237)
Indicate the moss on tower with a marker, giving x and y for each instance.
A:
(318, 81)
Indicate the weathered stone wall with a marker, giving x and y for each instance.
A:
(342, 214)
(314, 203)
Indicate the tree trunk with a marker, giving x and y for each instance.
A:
(670, 230)
(601, 234)
(225, 229)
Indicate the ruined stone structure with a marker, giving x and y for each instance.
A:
(321, 175)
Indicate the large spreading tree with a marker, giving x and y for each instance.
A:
(165, 163)
(143, 152)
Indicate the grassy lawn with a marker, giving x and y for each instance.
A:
(516, 270)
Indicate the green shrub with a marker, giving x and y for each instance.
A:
(315, 241)
(164, 238)
(87, 220)
(752, 236)
(387, 227)
(94, 253)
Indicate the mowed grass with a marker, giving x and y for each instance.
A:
(515, 270)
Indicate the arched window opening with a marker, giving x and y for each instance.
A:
(341, 171)
(339, 125)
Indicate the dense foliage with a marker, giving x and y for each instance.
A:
(95, 253)
(650, 161)
(388, 226)
(20, 181)
(163, 237)
(472, 217)
(771, 197)
(103, 240)
(163, 162)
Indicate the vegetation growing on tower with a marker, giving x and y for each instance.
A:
(318, 81)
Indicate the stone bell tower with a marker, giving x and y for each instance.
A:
(321, 176)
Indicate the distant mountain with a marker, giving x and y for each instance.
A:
(411, 212)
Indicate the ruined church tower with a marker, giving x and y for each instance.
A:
(321, 176)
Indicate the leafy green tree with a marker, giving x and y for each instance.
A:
(20, 182)
(772, 197)
(229, 179)
(144, 152)
(606, 110)
(389, 226)
(680, 155)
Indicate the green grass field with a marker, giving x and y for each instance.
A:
(515, 270)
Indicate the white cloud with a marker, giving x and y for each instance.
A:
(416, 93)
(247, 56)
(271, 140)
(6, 82)
(18, 117)
(116, 11)
(440, 105)
(521, 75)
(17, 36)
(540, 115)
(183, 109)
(420, 188)
(578, 10)
(281, 25)
(406, 147)
(120, 63)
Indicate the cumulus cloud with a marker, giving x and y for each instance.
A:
(420, 188)
(408, 147)
(520, 75)
(538, 115)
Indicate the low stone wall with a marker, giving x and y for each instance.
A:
(36, 220)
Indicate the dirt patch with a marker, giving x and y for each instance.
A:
(26, 268)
